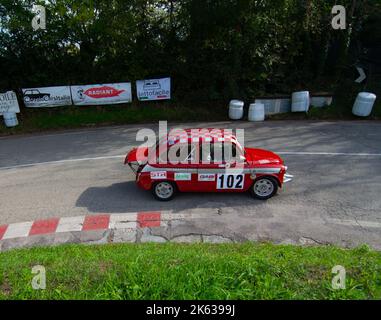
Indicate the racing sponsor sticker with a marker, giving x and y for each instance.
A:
(206, 177)
(158, 175)
(183, 176)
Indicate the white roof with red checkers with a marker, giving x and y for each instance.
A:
(205, 135)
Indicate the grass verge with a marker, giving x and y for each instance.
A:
(190, 271)
(45, 119)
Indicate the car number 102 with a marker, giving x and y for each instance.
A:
(230, 181)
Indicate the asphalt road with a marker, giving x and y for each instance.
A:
(334, 198)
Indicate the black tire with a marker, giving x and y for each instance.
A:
(270, 182)
(156, 193)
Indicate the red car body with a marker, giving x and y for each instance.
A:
(249, 169)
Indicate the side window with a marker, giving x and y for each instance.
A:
(222, 152)
(230, 152)
(190, 150)
(206, 153)
(183, 154)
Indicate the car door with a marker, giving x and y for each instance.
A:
(182, 169)
(221, 170)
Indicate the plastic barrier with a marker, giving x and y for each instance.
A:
(257, 112)
(10, 119)
(236, 109)
(300, 101)
(364, 104)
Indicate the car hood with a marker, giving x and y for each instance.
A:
(262, 157)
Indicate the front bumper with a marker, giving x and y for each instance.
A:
(287, 178)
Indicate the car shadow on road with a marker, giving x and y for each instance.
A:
(128, 197)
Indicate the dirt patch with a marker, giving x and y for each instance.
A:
(6, 288)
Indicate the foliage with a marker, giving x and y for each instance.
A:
(213, 49)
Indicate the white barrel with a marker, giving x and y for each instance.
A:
(236, 109)
(10, 119)
(300, 101)
(364, 104)
(257, 112)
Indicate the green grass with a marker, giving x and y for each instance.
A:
(190, 271)
(36, 120)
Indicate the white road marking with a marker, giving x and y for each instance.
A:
(69, 224)
(122, 156)
(123, 221)
(18, 230)
(61, 161)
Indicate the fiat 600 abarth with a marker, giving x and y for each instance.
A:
(206, 160)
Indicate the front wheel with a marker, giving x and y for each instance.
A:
(264, 188)
(164, 190)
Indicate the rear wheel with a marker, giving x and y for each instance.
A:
(264, 188)
(164, 190)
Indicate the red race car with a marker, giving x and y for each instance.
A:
(206, 160)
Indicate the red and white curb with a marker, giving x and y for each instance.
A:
(83, 223)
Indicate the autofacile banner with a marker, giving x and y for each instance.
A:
(154, 89)
(47, 97)
(99, 94)
(9, 103)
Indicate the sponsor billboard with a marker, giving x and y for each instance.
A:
(8, 102)
(47, 97)
(153, 89)
(110, 93)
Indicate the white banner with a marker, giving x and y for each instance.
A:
(153, 89)
(8, 102)
(110, 93)
(47, 97)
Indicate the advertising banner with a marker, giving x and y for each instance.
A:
(47, 97)
(9, 103)
(96, 94)
(153, 89)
